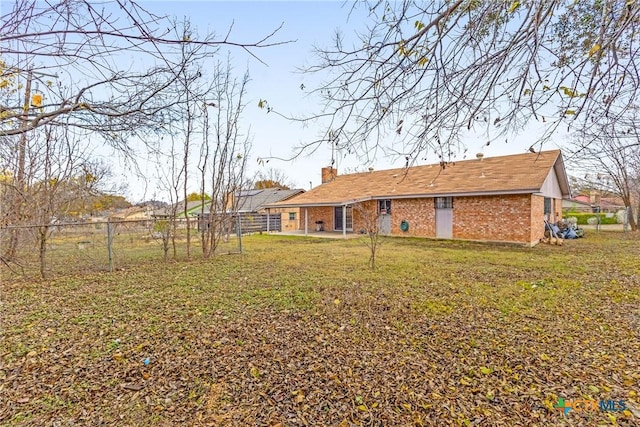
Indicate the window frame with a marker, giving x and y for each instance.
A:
(443, 202)
(384, 205)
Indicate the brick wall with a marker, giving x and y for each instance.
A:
(557, 208)
(497, 218)
(328, 174)
(505, 218)
(365, 215)
(537, 218)
(322, 213)
(420, 214)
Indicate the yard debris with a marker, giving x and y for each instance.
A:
(555, 234)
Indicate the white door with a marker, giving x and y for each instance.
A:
(384, 224)
(444, 223)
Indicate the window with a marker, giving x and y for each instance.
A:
(384, 207)
(292, 216)
(547, 205)
(443, 202)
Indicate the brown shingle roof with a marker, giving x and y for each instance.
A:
(255, 200)
(519, 173)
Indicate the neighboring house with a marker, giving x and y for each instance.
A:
(576, 205)
(253, 217)
(504, 199)
(193, 209)
(599, 203)
(135, 213)
(254, 202)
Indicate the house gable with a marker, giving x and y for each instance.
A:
(551, 187)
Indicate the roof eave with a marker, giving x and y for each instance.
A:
(318, 204)
(461, 194)
(563, 179)
(407, 196)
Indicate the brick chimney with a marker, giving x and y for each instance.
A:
(329, 174)
(594, 197)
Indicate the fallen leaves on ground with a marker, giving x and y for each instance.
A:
(294, 333)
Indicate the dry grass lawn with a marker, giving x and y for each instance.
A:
(298, 332)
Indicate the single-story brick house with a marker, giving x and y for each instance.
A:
(502, 199)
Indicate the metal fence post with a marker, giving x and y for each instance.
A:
(239, 228)
(109, 244)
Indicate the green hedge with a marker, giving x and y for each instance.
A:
(583, 217)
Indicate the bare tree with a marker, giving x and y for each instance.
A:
(67, 63)
(59, 179)
(608, 155)
(227, 155)
(190, 94)
(79, 54)
(419, 76)
(369, 217)
(203, 164)
(65, 176)
(163, 226)
(171, 173)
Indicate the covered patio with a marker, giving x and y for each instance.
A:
(321, 234)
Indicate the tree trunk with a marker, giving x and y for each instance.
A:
(173, 229)
(10, 253)
(628, 205)
(165, 247)
(43, 232)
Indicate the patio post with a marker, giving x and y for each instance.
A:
(267, 220)
(306, 221)
(344, 221)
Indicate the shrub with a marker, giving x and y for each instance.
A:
(592, 218)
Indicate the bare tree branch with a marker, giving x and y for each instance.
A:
(422, 75)
(116, 65)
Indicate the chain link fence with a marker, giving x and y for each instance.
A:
(105, 246)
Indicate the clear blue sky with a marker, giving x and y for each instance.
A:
(306, 23)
